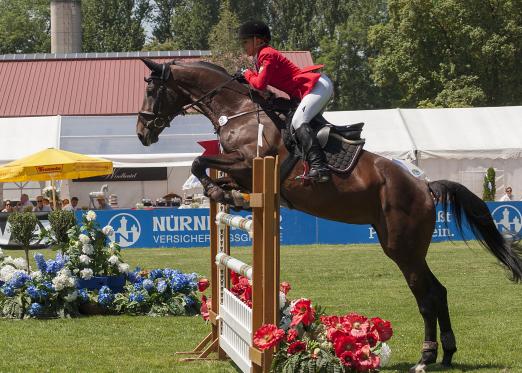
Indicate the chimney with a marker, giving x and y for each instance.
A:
(66, 26)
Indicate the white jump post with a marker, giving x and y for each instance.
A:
(233, 322)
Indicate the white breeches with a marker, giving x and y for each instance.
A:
(314, 102)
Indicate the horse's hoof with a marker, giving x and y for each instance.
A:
(447, 357)
(215, 193)
(418, 368)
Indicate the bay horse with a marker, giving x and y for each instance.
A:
(379, 192)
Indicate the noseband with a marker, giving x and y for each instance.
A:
(158, 119)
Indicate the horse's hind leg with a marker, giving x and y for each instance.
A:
(447, 338)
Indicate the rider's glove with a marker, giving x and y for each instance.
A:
(238, 75)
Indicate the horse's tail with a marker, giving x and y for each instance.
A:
(465, 203)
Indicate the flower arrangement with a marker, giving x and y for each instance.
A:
(90, 251)
(159, 292)
(47, 192)
(48, 292)
(312, 341)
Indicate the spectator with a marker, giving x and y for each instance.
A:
(65, 203)
(74, 204)
(103, 205)
(24, 203)
(41, 206)
(7, 206)
(508, 196)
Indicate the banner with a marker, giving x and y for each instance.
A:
(130, 174)
(183, 228)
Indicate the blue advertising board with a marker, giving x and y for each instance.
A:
(182, 228)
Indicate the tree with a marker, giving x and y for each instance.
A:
(25, 26)
(490, 189)
(113, 25)
(161, 15)
(224, 44)
(192, 22)
(450, 52)
(250, 9)
(346, 53)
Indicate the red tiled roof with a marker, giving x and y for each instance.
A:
(81, 86)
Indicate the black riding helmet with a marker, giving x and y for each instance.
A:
(258, 29)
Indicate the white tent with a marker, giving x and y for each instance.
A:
(455, 144)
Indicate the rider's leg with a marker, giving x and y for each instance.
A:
(311, 105)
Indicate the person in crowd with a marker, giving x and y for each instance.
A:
(65, 203)
(312, 89)
(508, 196)
(73, 206)
(24, 203)
(8, 207)
(41, 206)
(102, 204)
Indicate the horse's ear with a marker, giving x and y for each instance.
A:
(153, 66)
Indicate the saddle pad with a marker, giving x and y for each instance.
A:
(342, 155)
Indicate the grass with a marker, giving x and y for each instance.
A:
(486, 312)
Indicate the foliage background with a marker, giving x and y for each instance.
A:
(380, 53)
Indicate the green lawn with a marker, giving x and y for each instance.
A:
(486, 310)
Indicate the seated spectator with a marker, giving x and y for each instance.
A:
(73, 206)
(508, 196)
(102, 204)
(65, 203)
(41, 206)
(7, 206)
(24, 203)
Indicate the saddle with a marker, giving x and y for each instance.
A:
(342, 145)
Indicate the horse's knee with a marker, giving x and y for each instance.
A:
(197, 166)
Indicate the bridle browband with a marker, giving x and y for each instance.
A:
(161, 120)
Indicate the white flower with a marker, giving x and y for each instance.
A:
(84, 239)
(71, 297)
(20, 263)
(85, 259)
(8, 260)
(113, 260)
(88, 249)
(6, 273)
(90, 216)
(385, 354)
(108, 230)
(75, 271)
(64, 280)
(36, 275)
(282, 300)
(123, 268)
(86, 273)
(1, 253)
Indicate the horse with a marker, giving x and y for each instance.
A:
(400, 207)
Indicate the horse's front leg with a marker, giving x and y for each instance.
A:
(222, 162)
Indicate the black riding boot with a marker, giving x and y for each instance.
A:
(319, 172)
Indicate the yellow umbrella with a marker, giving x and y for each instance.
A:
(54, 164)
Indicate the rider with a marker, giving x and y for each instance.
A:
(314, 90)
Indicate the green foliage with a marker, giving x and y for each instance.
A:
(61, 222)
(490, 189)
(113, 25)
(226, 50)
(161, 17)
(23, 227)
(25, 26)
(192, 22)
(450, 52)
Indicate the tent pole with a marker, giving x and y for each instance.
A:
(54, 192)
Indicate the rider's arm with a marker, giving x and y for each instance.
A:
(260, 80)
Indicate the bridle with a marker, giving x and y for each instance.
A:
(159, 119)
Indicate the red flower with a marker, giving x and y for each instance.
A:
(296, 347)
(234, 278)
(346, 343)
(285, 287)
(203, 284)
(336, 326)
(268, 336)
(204, 308)
(359, 324)
(383, 328)
(365, 361)
(347, 359)
(303, 312)
(291, 335)
(372, 338)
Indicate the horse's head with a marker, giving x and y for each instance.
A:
(160, 104)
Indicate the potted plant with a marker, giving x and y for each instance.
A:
(23, 227)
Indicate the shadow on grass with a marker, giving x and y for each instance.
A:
(405, 367)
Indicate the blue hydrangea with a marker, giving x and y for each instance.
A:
(35, 293)
(105, 296)
(134, 276)
(35, 309)
(137, 286)
(8, 290)
(136, 297)
(148, 284)
(48, 285)
(170, 273)
(83, 295)
(19, 279)
(181, 283)
(155, 274)
(54, 266)
(161, 286)
(189, 301)
(40, 262)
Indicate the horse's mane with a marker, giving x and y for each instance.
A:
(204, 64)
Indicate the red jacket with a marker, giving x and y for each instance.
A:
(278, 71)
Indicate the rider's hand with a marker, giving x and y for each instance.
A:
(238, 75)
